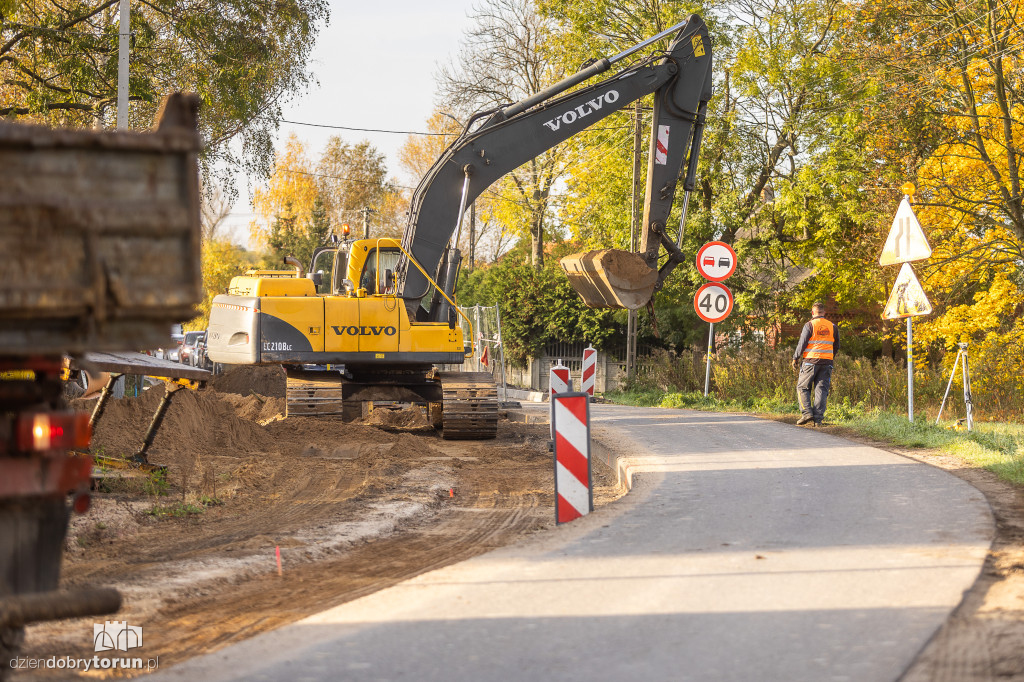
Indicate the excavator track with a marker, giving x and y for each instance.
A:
(314, 394)
(470, 409)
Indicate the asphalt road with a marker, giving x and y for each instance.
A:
(746, 550)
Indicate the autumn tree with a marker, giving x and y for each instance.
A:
(304, 201)
(949, 117)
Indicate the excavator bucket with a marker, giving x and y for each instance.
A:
(610, 278)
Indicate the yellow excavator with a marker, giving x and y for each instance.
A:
(372, 319)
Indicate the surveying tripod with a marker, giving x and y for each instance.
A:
(961, 353)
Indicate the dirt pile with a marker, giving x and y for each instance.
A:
(352, 508)
(196, 423)
(243, 380)
(409, 417)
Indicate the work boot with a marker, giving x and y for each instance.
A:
(804, 420)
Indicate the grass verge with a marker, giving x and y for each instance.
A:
(998, 447)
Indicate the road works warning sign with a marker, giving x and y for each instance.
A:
(906, 241)
(907, 298)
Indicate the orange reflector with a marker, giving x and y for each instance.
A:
(54, 431)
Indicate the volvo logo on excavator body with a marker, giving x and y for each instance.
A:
(364, 331)
(583, 110)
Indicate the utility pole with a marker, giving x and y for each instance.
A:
(634, 228)
(124, 27)
(365, 212)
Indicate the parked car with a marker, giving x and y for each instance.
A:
(187, 351)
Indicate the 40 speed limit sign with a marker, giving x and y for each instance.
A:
(713, 302)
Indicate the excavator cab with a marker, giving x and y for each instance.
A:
(378, 266)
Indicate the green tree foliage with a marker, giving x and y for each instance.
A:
(352, 178)
(290, 238)
(537, 307)
(781, 168)
(245, 58)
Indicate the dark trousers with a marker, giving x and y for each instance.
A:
(816, 380)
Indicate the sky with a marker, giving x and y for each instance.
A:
(375, 63)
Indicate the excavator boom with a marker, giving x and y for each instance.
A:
(681, 79)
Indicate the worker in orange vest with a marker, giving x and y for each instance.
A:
(819, 343)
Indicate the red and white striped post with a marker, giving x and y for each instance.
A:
(559, 381)
(588, 375)
(574, 490)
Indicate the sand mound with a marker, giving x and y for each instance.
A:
(412, 416)
(197, 422)
(244, 380)
(255, 408)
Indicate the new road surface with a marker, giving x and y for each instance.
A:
(746, 550)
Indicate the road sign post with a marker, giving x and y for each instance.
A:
(707, 368)
(716, 261)
(910, 368)
(906, 242)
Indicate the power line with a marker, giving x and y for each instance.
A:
(390, 132)
(366, 130)
(336, 177)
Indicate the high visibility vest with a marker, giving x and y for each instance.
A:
(823, 339)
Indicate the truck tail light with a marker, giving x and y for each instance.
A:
(54, 431)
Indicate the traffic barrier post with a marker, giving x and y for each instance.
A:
(588, 374)
(574, 489)
(559, 381)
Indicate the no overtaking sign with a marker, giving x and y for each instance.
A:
(716, 261)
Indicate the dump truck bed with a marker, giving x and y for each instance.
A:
(99, 236)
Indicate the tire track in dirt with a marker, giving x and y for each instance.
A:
(459, 530)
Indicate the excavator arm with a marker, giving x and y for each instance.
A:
(681, 80)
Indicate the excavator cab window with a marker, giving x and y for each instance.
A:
(373, 280)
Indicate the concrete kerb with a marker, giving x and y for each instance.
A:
(525, 395)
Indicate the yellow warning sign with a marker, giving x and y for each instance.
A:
(698, 46)
(906, 241)
(907, 298)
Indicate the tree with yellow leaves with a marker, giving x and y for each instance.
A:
(949, 110)
(303, 201)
